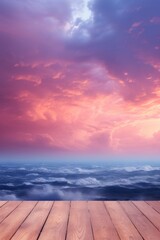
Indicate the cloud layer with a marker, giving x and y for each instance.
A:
(80, 81)
(74, 182)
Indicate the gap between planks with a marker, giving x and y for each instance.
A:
(80, 220)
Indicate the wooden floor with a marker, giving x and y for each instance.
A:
(78, 220)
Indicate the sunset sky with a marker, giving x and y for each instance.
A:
(80, 76)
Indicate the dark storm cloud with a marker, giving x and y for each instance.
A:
(125, 36)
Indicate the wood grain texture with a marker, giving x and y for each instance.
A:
(56, 224)
(121, 221)
(82, 205)
(103, 228)
(6, 209)
(79, 227)
(155, 205)
(2, 203)
(149, 212)
(31, 227)
(142, 223)
(11, 223)
(80, 220)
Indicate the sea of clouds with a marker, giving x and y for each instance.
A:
(79, 182)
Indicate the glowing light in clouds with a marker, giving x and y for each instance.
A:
(80, 76)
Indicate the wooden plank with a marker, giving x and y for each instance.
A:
(149, 212)
(79, 227)
(2, 203)
(56, 224)
(31, 227)
(6, 209)
(123, 224)
(11, 223)
(103, 228)
(105, 220)
(144, 226)
(154, 204)
(82, 205)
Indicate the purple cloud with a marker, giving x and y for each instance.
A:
(125, 37)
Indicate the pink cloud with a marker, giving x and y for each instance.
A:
(78, 88)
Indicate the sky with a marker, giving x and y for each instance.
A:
(80, 76)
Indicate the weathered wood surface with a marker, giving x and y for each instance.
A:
(80, 220)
